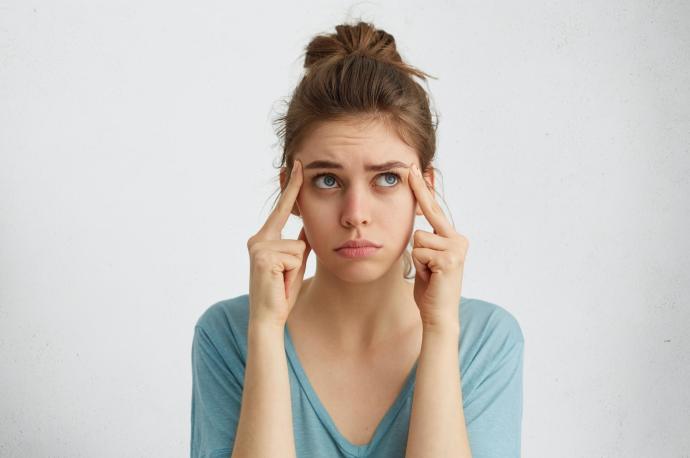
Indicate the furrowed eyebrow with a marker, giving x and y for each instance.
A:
(369, 167)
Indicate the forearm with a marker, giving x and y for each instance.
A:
(437, 422)
(265, 424)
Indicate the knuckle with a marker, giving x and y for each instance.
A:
(254, 239)
(253, 245)
(262, 259)
(419, 236)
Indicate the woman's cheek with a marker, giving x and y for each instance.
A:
(403, 203)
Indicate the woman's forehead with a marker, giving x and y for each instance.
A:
(353, 146)
(352, 131)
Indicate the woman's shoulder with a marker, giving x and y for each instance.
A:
(491, 349)
(226, 320)
(482, 319)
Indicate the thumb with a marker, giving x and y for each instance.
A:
(293, 280)
(307, 250)
(421, 269)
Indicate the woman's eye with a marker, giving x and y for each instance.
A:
(329, 179)
(390, 179)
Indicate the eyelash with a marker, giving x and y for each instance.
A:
(317, 176)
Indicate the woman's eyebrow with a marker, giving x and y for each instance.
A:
(368, 167)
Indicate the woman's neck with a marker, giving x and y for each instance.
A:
(356, 317)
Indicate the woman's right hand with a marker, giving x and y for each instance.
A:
(277, 266)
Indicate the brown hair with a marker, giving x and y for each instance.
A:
(357, 72)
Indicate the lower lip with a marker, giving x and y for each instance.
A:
(357, 252)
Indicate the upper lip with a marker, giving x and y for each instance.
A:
(358, 243)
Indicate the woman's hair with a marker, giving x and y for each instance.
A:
(357, 73)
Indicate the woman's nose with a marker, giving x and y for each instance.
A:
(356, 209)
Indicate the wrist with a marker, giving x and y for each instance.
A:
(262, 327)
(448, 327)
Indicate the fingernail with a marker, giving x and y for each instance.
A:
(415, 169)
(294, 168)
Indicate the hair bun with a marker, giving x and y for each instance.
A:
(361, 39)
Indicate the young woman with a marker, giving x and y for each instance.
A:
(357, 361)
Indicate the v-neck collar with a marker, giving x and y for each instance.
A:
(383, 426)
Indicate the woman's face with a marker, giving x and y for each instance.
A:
(343, 197)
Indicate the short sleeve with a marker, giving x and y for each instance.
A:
(216, 397)
(493, 407)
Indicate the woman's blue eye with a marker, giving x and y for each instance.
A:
(394, 178)
(329, 179)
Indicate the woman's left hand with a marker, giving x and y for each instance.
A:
(439, 260)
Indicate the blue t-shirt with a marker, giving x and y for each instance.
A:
(490, 349)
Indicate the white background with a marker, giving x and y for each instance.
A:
(138, 156)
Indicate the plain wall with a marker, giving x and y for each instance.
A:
(137, 156)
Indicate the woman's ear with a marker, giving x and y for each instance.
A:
(283, 182)
(429, 178)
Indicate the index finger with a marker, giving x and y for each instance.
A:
(430, 207)
(279, 216)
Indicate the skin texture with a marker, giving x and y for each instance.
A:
(357, 303)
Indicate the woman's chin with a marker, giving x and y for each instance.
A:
(360, 271)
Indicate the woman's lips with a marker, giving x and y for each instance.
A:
(361, 252)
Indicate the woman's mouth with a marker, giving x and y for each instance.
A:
(360, 252)
(357, 248)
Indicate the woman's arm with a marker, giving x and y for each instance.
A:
(265, 425)
(437, 422)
